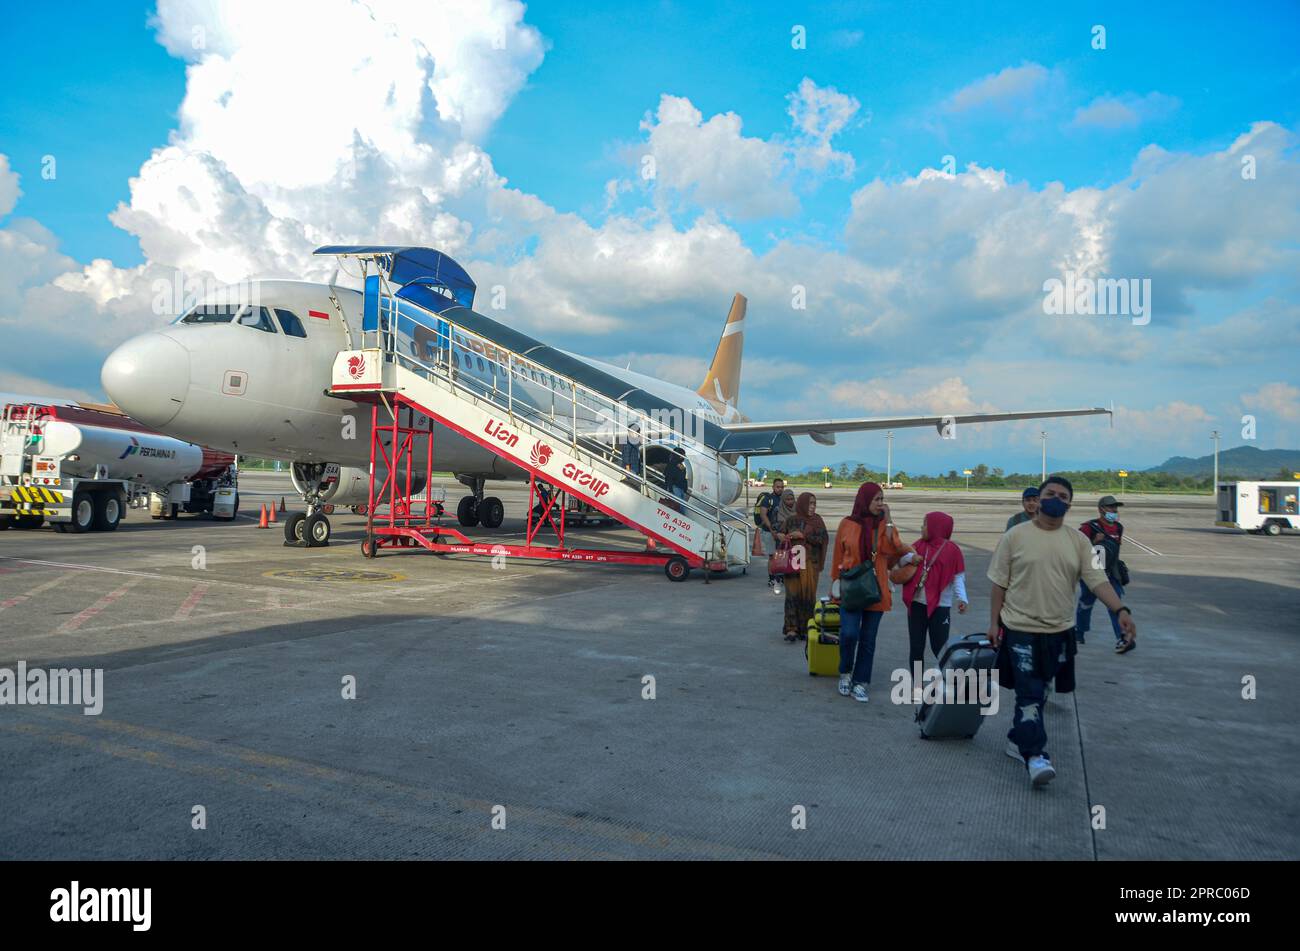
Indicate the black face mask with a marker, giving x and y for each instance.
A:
(1053, 507)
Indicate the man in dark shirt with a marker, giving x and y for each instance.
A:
(675, 474)
(1105, 532)
(1028, 502)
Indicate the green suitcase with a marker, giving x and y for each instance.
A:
(822, 647)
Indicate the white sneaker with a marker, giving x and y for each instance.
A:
(1040, 771)
(1014, 752)
(860, 693)
(846, 684)
(917, 695)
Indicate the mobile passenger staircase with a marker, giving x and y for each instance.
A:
(426, 357)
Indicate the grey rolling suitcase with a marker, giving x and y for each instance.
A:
(973, 653)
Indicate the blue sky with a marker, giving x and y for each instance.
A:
(1116, 158)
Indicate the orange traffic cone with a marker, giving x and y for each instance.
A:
(757, 547)
(270, 511)
(282, 503)
(261, 522)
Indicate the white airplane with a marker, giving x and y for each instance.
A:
(249, 371)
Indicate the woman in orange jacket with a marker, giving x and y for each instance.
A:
(867, 534)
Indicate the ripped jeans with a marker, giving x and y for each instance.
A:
(1032, 676)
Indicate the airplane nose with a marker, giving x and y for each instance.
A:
(148, 377)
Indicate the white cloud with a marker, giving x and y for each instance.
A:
(1128, 111)
(1280, 399)
(819, 114)
(712, 163)
(9, 190)
(1011, 84)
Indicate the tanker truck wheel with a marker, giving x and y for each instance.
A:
(83, 512)
(108, 511)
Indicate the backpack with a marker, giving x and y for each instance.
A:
(1116, 570)
(760, 505)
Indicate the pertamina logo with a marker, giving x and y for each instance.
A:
(541, 453)
(580, 477)
(356, 366)
(136, 449)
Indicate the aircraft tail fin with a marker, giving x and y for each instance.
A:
(722, 382)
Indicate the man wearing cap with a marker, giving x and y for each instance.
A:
(1107, 533)
(1029, 501)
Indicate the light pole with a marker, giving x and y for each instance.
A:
(1044, 437)
(1214, 488)
(889, 457)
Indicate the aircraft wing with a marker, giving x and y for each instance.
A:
(823, 430)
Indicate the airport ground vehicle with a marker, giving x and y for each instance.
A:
(80, 469)
(1261, 507)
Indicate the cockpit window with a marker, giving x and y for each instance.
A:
(257, 317)
(211, 314)
(290, 323)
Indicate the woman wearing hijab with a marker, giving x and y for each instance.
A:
(940, 574)
(868, 535)
(802, 528)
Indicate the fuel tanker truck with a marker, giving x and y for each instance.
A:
(80, 468)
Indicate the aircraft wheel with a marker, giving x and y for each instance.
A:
(317, 531)
(677, 569)
(492, 512)
(83, 512)
(108, 511)
(467, 511)
(294, 526)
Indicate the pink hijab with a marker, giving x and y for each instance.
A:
(945, 560)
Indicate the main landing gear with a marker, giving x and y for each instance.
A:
(474, 509)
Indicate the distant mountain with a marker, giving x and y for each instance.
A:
(1245, 462)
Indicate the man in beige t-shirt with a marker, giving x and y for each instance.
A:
(1036, 571)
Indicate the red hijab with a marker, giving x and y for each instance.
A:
(862, 515)
(945, 560)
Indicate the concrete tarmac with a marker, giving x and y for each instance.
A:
(517, 692)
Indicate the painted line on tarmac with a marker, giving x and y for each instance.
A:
(97, 608)
(1149, 551)
(39, 589)
(188, 606)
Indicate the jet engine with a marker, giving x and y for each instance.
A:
(333, 484)
(706, 475)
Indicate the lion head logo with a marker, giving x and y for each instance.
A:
(356, 366)
(541, 453)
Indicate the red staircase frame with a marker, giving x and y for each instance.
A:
(405, 527)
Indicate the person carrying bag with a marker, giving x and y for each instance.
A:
(866, 546)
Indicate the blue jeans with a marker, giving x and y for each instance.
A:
(1083, 613)
(679, 491)
(858, 643)
(1027, 730)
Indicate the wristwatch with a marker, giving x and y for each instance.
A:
(1124, 607)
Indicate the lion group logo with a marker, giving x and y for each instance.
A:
(541, 453)
(356, 366)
